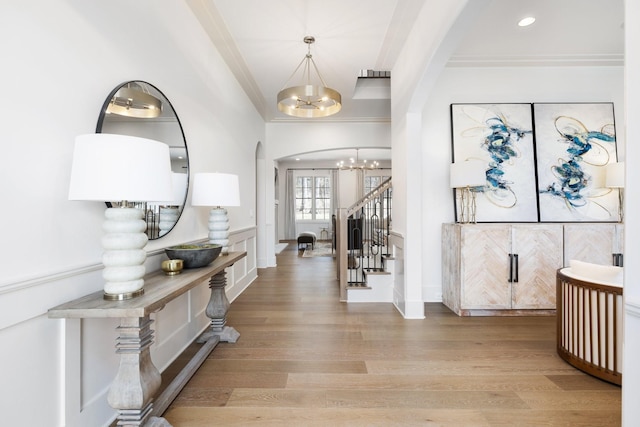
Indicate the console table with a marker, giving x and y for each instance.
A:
(137, 381)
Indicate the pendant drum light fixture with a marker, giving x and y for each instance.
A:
(308, 99)
(134, 100)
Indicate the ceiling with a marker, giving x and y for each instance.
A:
(262, 41)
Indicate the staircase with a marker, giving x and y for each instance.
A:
(365, 263)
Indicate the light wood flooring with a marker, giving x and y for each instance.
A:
(305, 359)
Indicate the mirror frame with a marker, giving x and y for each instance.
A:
(166, 102)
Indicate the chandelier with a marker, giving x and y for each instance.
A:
(307, 99)
(354, 163)
(135, 100)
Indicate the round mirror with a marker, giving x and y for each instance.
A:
(138, 108)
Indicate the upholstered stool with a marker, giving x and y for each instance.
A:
(306, 238)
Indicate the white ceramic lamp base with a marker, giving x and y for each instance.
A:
(219, 228)
(168, 218)
(124, 253)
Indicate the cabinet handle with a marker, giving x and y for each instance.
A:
(515, 259)
(510, 268)
(617, 260)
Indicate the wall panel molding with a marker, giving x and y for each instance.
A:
(632, 307)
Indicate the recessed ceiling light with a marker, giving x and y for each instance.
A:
(525, 22)
(297, 159)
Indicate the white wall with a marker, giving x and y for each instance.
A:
(429, 45)
(287, 139)
(61, 59)
(494, 85)
(348, 191)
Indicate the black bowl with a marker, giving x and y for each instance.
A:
(194, 256)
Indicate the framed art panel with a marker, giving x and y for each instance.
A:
(501, 137)
(574, 143)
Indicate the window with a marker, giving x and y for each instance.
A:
(372, 182)
(313, 198)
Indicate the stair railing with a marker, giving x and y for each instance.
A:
(362, 232)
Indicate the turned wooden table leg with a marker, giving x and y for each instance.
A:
(137, 380)
(217, 311)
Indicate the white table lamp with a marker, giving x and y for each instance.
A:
(110, 167)
(463, 176)
(217, 190)
(615, 179)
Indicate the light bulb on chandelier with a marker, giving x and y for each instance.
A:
(354, 163)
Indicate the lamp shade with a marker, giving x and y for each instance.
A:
(179, 186)
(215, 189)
(309, 101)
(179, 182)
(615, 175)
(109, 167)
(467, 174)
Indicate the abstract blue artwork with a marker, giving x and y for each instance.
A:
(574, 143)
(500, 136)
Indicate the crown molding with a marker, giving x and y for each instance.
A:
(605, 60)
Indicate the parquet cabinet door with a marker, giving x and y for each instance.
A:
(484, 265)
(539, 249)
(594, 243)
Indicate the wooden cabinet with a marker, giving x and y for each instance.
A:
(489, 267)
(596, 243)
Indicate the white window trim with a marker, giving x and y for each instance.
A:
(312, 173)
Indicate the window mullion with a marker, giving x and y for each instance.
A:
(313, 199)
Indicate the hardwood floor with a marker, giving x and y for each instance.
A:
(305, 359)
